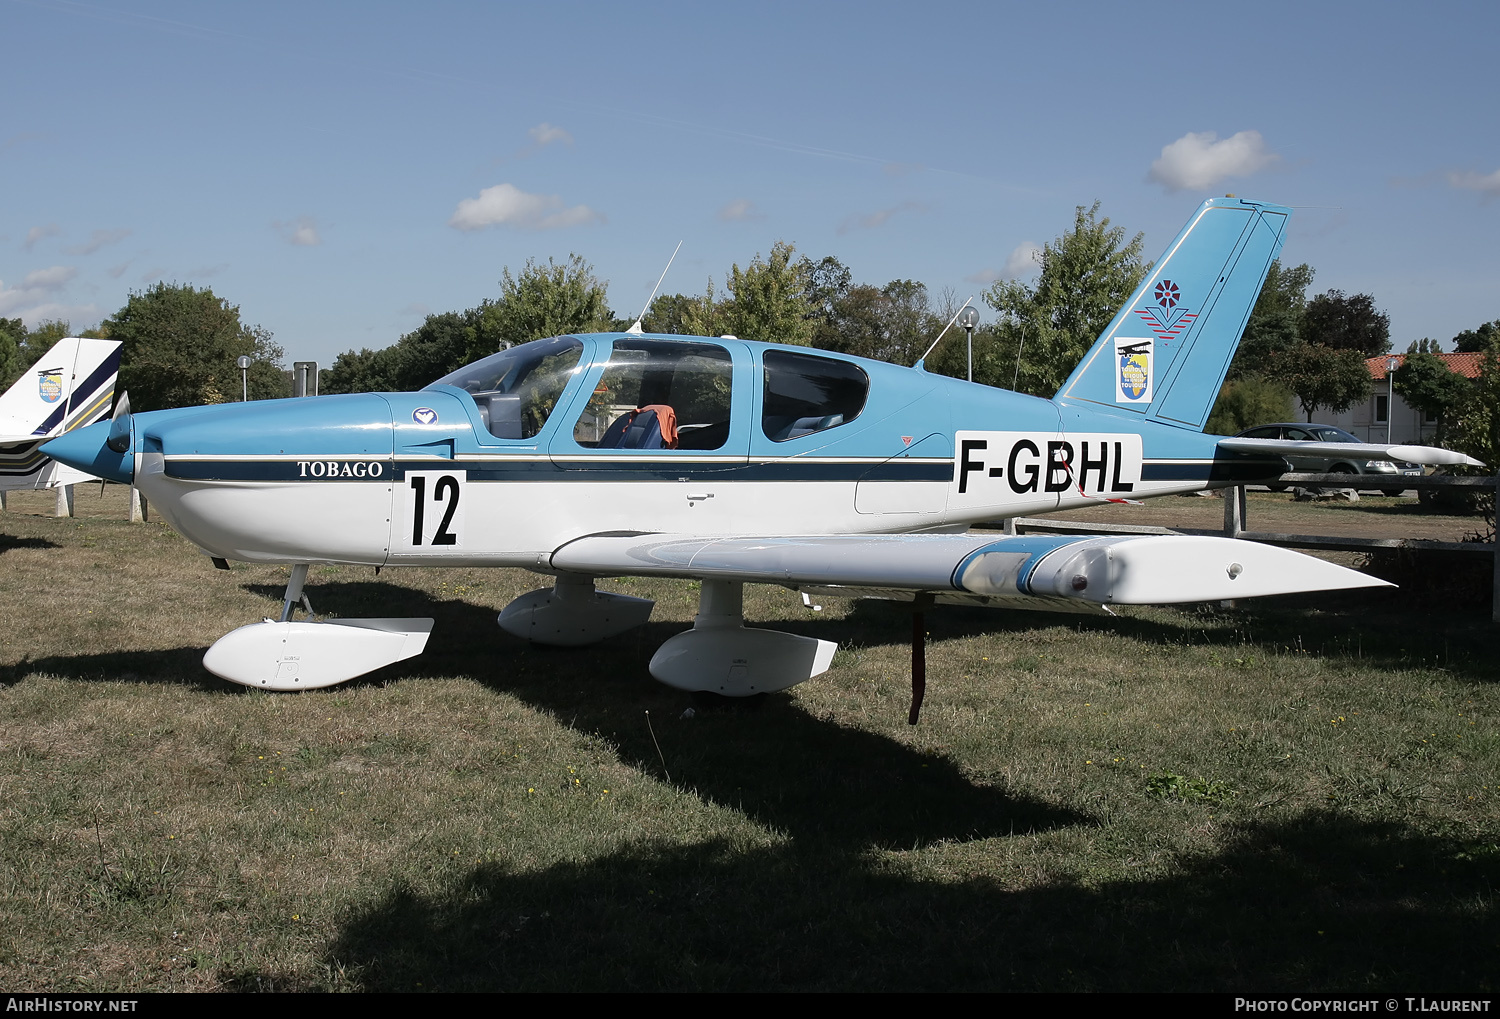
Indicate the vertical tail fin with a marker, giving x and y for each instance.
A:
(71, 385)
(1168, 349)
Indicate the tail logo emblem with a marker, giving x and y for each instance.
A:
(49, 385)
(1133, 355)
(1166, 319)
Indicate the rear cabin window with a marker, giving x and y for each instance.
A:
(659, 394)
(806, 394)
(516, 390)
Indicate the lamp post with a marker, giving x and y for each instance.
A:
(1391, 364)
(968, 319)
(244, 363)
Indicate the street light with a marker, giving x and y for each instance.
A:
(1391, 363)
(244, 363)
(967, 320)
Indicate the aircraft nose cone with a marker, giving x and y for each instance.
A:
(85, 450)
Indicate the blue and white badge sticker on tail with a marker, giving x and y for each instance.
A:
(1135, 368)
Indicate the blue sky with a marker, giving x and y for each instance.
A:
(339, 170)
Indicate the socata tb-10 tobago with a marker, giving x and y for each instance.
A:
(733, 462)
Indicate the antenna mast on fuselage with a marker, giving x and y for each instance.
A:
(940, 335)
(637, 328)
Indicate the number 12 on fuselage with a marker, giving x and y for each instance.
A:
(430, 510)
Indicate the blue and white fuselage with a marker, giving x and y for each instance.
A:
(731, 462)
(343, 479)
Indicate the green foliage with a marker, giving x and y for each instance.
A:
(1473, 423)
(181, 346)
(768, 299)
(12, 337)
(669, 314)
(1247, 402)
(1086, 274)
(1429, 385)
(1171, 786)
(438, 346)
(891, 323)
(1425, 346)
(1275, 323)
(1322, 376)
(543, 300)
(1477, 341)
(1347, 323)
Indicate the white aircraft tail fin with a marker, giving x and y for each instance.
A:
(70, 386)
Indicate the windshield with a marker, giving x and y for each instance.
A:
(1328, 433)
(517, 389)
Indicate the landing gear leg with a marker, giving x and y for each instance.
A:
(294, 593)
(918, 656)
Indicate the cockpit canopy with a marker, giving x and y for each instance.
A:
(657, 393)
(516, 390)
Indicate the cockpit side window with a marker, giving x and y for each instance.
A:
(659, 394)
(806, 394)
(517, 389)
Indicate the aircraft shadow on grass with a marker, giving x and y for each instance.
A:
(1321, 902)
(10, 541)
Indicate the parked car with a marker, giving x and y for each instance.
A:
(1381, 469)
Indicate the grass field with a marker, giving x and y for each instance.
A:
(1292, 795)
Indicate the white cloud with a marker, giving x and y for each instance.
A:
(1197, 161)
(49, 279)
(117, 271)
(1022, 263)
(33, 301)
(302, 231)
(871, 220)
(740, 210)
(508, 205)
(52, 312)
(36, 233)
(1484, 183)
(545, 134)
(97, 240)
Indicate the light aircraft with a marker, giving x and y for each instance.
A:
(71, 386)
(733, 462)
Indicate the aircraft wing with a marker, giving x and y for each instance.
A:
(1133, 570)
(1355, 450)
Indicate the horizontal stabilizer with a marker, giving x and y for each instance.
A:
(1147, 570)
(1431, 455)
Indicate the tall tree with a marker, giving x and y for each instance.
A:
(1323, 377)
(1347, 323)
(768, 299)
(181, 346)
(889, 323)
(1478, 340)
(541, 301)
(1428, 384)
(1086, 274)
(441, 344)
(1275, 322)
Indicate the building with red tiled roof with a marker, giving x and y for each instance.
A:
(1385, 416)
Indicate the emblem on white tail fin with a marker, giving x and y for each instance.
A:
(1134, 357)
(49, 384)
